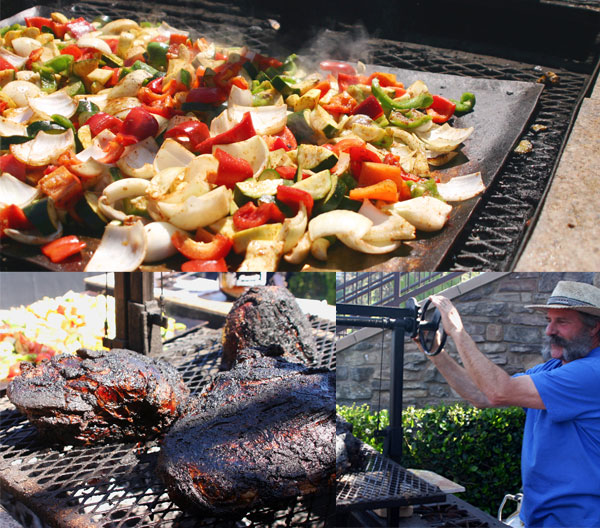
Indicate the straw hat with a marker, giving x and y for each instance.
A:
(573, 296)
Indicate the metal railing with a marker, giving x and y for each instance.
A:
(393, 289)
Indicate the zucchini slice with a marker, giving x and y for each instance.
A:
(318, 185)
(299, 124)
(87, 209)
(315, 158)
(42, 214)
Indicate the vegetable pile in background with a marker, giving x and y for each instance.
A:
(57, 325)
(163, 144)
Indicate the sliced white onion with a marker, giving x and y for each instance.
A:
(99, 99)
(129, 85)
(34, 239)
(160, 246)
(240, 96)
(445, 138)
(93, 42)
(254, 150)
(96, 150)
(372, 213)
(14, 60)
(122, 248)
(109, 211)
(293, 229)
(137, 160)
(10, 128)
(18, 115)
(172, 154)
(198, 211)
(55, 103)
(19, 91)
(342, 165)
(339, 222)
(372, 248)
(265, 119)
(25, 45)
(43, 149)
(425, 212)
(461, 187)
(393, 229)
(167, 30)
(220, 124)
(125, 188)
(15, 192)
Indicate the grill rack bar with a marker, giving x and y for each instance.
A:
(382, 483)
(115, 485)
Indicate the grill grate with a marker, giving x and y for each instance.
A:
(115, 486)
(381, 483)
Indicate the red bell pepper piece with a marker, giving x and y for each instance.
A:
(385, 79)
(206, 95)
(38, 22)
(62, 248)
(139, 123)
(345, 80)
(79, 27)
(287, 173)
(189, 133)
(204, 265)
(358, 155)
(342, 103)
(34, 56)
(177, 38)
(441, 109)
(101, 120)
(114, 150)
(370, 107)
(288, 138)
(249, 215)
(338, 67)
(231, 170)
(240, 132)
(12, 216)
(294, 197)
(216, 249)
(10, 164)
(156, 85)
(5, 65)
(73, 50)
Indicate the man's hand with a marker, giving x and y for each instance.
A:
(450, 317)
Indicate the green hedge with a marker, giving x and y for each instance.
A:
(477, 448)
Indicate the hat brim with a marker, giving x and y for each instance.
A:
(592, 310)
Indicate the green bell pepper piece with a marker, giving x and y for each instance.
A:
(420, 101)
(14, 27)
(466, 103)
(186, 78)
(75, 88)
(59, 63)
(6, 141)
(425, 188)
(52, 127)
(157, 54)
(64, 122)
(48, 81)
(408, 120)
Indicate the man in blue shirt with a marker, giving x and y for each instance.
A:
(560, 462)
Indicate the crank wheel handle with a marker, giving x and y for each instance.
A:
(428, 330)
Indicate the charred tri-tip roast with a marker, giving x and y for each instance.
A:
(99, 396)
(268, 317)
(347, 447)
(260, 433)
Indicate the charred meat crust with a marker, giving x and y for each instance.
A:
(347, 447)
(268, 317)
(258, 434)
(99, 396)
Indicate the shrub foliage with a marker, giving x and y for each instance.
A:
(477, 448)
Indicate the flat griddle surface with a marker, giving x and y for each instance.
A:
(502, 111)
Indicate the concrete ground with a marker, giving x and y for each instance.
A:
(566, 236)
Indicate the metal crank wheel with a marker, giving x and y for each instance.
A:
(427, 330)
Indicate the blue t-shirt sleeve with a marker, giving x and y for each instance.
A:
(571, 391)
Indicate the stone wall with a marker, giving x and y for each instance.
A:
(493, 310)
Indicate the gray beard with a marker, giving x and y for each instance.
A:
(576, 348)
